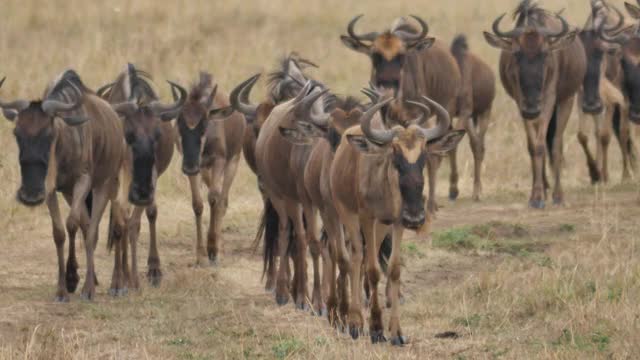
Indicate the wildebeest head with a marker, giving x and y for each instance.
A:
(36, 135)
(406, 148)
(629, 39)
(531, 44)
(143, 114)
(598, 52)
(388, 50)
(193, 121)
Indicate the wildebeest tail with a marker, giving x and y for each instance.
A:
(459, 48)
(269, 230)
(385, 252)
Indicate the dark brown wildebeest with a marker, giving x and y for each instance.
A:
(377, 185)
(347, 113)
(284, 83)
(601, 95)
(149, 136)
(408, 64)
(477, 92)
(284, 186)
(69, 142)
(211, 150)
(542, 66)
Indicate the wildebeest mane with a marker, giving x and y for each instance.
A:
(529, 12)
(66, 86)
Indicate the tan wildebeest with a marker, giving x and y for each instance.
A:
(407, 64)
(347, 113)
(377, 185)
(542, 66)
(69, 142)
(477, 92)
(601, 95)
(283, 184)
(211, 150)
(149, 136)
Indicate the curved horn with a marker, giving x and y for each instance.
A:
(425, 112)
(496, 28)
(364, 37)
(406, 36)
(303, 107)
(52, 107)
(103, 89)
(619, 23)
(239, 97)
(378, 136)
(620, 38)
(303, 92)
(562, 32)
(444, 120)
(170, 111)
(17, 105)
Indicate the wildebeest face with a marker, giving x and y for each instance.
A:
(34, 134)
(192, 126)
(531, 61)
(631, 72)
(408, 157)
(142, 134)
(598, 55)
(389, 50)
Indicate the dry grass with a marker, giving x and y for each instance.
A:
(568, 288)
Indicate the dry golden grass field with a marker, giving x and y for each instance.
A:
(512, 283)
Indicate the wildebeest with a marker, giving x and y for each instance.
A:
(280, 168)
(211, 150)
(377, 184)
(407, 64)
(149, 136)
(325, 138)
(69, 142)
(542, 66)
(601, 95)
(473, 106)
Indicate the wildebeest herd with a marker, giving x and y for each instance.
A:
(359, 166)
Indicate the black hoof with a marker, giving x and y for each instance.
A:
(86, 296)
(155, 277)
(536, 204)
(213, 260)
(118, 292)
(303, 307)
(377, 336)
(323, 312)
(61, 299)
(453, 194)
(282, 299)
(354, 332)
(399, 340)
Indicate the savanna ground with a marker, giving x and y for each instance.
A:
(505, 281)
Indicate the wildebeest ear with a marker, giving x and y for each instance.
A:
(633, 10)
(221, 114)
(294, 136)
(497, 41)
(360, 143)
(448, 142)
(423, 44)
(563, 41)
(354, 44)
(74, 120)
(10, 114)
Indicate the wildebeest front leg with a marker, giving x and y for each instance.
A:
(72, 276)
(373, 240)
(154, 274)
(395, 262)
(100, 200)
(215, 182)
(603, 127)
(356, 320)
(562, 118)
(626, 147)
(315, 248)
(536, 132)
(453, 176)
(282, 279)
(198, 208)
(118, 223)
(58, 238)
(583, 139)
(133, 229)
(294, 211)
(476, 133)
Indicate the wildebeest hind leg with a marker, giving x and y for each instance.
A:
(100, 200)
(563, 112)
(72, 277)
(295, 213)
